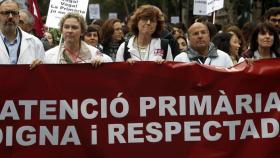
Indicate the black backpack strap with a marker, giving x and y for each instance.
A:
(164, 46)
(126, 54)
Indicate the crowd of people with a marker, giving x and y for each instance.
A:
(145, 36)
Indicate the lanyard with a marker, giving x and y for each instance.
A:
(18, 49)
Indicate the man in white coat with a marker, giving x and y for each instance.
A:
(17, 46)
(202, 50)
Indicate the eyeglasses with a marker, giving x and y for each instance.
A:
(9, 12)
(275, 20)
(146, 18)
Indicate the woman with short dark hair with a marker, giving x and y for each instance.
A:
(92, 37)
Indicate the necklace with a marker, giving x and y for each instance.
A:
(143, 51)
(70, 57)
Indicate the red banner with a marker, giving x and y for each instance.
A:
(33, 7)
(145, 110)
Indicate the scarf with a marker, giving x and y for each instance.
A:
(195, 56)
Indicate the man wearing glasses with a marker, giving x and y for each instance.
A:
(17, 46)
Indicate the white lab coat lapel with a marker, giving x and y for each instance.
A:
(4, 56)
(133, 51)
(24, 45)
(154, 45)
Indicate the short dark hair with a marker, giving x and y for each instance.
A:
(181, 26)
(212, 29)
(98, 22)
(271, 12)
(183, 37)
(222, 41)
(92, 28)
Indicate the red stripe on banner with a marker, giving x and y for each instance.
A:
(176, 110)
(35, 11)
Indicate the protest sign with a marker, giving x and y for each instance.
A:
(205, 7)
(94, 11)
(58, 8)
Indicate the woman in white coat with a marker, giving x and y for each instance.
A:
(146, 24)
(74, 50)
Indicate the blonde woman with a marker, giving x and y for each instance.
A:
(74, 50)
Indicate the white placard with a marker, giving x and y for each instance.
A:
(58, 8)
(112, 16)
(210, 6)
(174, 19)
(203, 7)
(219, 4)
(94, 11)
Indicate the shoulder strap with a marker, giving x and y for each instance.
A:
(126, 54)
(164, 46)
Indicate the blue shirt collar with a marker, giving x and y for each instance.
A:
(15, 41)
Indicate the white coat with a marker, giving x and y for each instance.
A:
(53, 55)
(31, 48)
(154, 45)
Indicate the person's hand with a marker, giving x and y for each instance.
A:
(250, 61)
(160, 61)
(130, 61)
(96, 62)
(35, 63)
